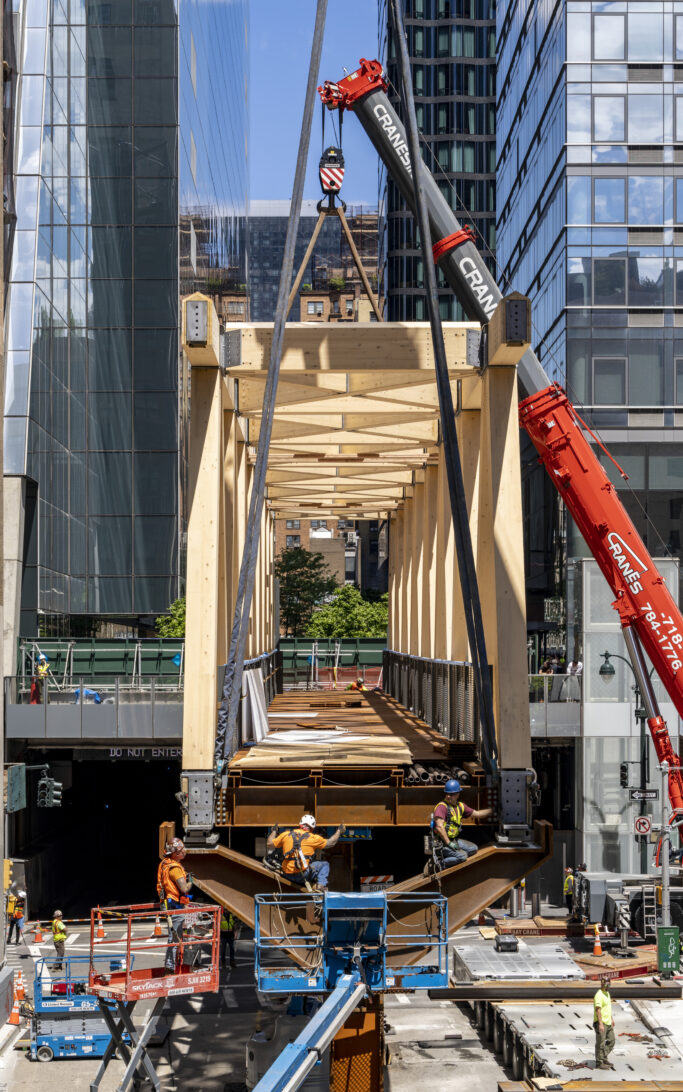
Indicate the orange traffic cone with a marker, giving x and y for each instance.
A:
(19, 987)
(158, 931)
(38, 939)
(100, 926)
(15, 1017)
(597, 946)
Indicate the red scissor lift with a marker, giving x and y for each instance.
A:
(189, 936)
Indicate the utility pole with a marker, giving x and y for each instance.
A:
(664, 850)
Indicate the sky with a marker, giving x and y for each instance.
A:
(281, 34)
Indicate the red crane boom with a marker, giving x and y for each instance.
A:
(648, 613)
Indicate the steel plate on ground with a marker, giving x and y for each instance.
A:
(476, 962)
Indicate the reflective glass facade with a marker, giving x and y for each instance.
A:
(590, 199)
(115, 151)
(452, 48)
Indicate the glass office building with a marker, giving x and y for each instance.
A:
(452, 48)
(131, 125)
(590, 195)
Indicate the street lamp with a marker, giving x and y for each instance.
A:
(607, 673)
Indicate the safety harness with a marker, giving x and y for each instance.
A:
(296, 853)
(453, 821)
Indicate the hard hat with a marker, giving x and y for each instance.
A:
(174, 847)
(42, 656)
(307, 821)
(57, 914)
(452, 786)
(569, 869)
(21, 894)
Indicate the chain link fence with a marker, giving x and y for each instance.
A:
(440, 692)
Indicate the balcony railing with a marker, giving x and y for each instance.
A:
(555, 703)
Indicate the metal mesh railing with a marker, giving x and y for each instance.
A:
(440, 692)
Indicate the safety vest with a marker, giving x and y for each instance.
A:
(568, 888)
(453, 821)
(603, 1002)
(42, 669)
(296, 853)
(18, 913)
(58, 929)
(227, 923)
(167, 888)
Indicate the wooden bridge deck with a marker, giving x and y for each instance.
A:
(346, 728)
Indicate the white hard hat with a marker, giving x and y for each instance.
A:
(307, 821)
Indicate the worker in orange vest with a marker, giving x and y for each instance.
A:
(357, 685)
(173, 889)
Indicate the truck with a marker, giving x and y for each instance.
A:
(650, 619)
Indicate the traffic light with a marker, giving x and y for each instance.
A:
(49, 793)
(623, 775)
(43, 792)
(54, 794)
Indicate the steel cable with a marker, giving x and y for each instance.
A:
(456, 488)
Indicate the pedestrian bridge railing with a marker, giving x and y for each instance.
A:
(440, 692)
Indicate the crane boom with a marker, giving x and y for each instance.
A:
(647, 611)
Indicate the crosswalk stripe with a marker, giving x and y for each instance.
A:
(72, 938)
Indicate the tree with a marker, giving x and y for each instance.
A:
(305, 580)
(173, 623)
(348, 614)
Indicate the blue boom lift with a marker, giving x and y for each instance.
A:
(352, 944)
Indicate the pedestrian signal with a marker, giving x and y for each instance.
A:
(623, 775)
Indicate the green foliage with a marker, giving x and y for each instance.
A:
(350, 615)
(305, 580)
(173, 623)
(337, 284)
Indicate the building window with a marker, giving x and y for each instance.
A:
(609, 114)
(349, 307)
(645, 200)
(578, 199)
(679, 37)
(609, 282)
(645, 36)
(609, 381)
(679, 382)
(292, 524)
(645, 119)
(646, 282)
(578, 282)
(609, 201)
(293, 541)
(319, 307)
(235, 308)
(609, 35)
(679, 282)
(311, 307)
(318, 524)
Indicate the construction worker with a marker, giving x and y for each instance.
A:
(229, 930)
(451, 849)
(357, 685)
(173, 889)
(603, 1023)
(568, 890)
(16, 919)
(298, 846)
(59, 934)
(42, 669)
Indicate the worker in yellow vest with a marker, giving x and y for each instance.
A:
(59, 934)
(42, 669)
(451, 849)
(568, 889)
(603, 1024)
(229, 933)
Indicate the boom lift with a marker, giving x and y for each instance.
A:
(649, 617)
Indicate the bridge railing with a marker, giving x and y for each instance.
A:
(440, 692)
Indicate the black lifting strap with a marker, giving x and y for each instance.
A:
(226, 731)
(456, 487)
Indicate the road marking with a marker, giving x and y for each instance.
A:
(72, 938)
(402, 999)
